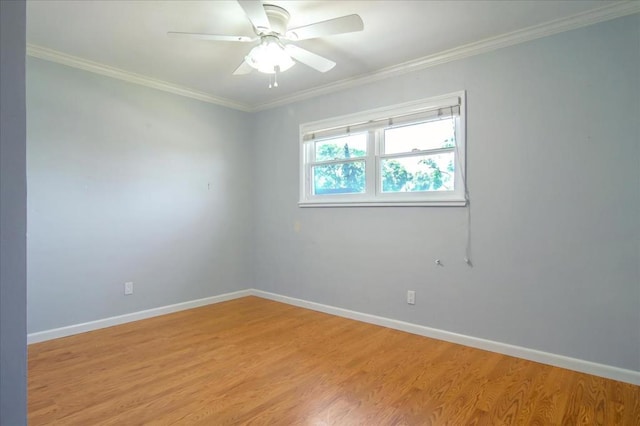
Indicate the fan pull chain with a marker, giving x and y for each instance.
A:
(276, 69)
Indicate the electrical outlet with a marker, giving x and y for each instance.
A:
(128, 288)
(411, 297)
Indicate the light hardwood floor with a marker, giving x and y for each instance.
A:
(254, 361)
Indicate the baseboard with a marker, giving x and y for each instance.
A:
(575, 364)
(55, 333)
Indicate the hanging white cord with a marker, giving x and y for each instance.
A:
(467, 251)
(276, 70)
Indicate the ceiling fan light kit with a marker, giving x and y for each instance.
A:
(272, 55)
(269, 56)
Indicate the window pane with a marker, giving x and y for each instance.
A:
(423, 136)
(419, 173)
(351, 146)
(341, 178)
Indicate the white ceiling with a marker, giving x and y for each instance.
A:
(131, 36)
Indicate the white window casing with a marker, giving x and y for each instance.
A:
(374, 124)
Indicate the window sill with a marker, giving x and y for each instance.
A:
(432, 203)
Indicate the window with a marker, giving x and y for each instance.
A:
(411, 154)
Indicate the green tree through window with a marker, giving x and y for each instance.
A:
(347, 177)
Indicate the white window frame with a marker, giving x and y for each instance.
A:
(374, 122)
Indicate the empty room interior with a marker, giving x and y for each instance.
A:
(320, 212)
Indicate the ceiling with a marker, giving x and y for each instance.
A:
(128, 39)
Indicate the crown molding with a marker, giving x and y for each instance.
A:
(120, 74)
(584, 19)
(594, 16)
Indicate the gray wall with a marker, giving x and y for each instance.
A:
(13, 223)
(128, 183)
(554, 176)
(118, 191)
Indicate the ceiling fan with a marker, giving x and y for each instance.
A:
(275, 51)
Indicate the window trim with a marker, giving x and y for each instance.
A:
(366, 121)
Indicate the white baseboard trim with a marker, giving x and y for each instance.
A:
(575, 364)
(55, 333)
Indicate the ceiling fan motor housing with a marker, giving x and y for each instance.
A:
(278, 18)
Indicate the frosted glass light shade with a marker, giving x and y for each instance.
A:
(269, 56)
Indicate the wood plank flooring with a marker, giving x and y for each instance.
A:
(259, 362)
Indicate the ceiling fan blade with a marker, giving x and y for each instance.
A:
(256, 14)
(345, 24)
(243, 69)
(316, 62)
(214, 37)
